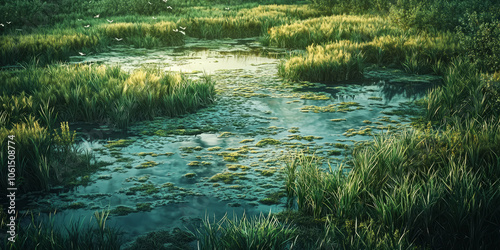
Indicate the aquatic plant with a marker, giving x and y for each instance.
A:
(43, 233)
(263, 232)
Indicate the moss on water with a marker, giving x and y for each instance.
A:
(190, 175)
(214, 148)
(119, 143)
(267, 141)
(148, 164)
(122, 210)
(143, 207)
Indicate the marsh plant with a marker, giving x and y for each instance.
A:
(44, 233)
(263, 232)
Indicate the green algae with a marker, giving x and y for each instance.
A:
(148, 164)
(122, 210)
(119, 143)
(337, 107)
(376, 98)
(190, 149)
(143, 207)
(147, 188)
(104, 177)
(247, 140)
(76, 205)
(214, 148)
(190, 175)
(267, 141)
(294, 130)
(225, 134)
(234, 167)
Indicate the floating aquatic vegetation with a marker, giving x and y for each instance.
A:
(225, 134)
(119, 143)
(337, 107)
(361, 131)
(267, 141)
(76, 205)
(247, 140)
(148, 188)
(122, 210)
(338, 120)
(216, 148)
(234, 167)
(190, 149)
(190, 175)
(143, 207)
(376, 98)
(148, 164)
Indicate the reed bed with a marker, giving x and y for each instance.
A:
(44, 48)
(343, 60)
(263, 232)
(439, 188)
(42, 233)
(34, 99)
(329, 29)
(318, 65)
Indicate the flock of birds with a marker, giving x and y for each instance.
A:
(182, 31)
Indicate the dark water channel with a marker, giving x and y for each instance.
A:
(168, 165)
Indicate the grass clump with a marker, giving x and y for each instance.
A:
(43, 233)
(263, 232)
(267, 141)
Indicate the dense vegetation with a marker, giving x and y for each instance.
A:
(433, 186)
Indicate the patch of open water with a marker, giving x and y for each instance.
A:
(173, 171)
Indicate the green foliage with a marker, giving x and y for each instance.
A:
(439, 14)
(42, 233)
(354, 6)
(463, 96)
(258, 233)
(480, 37)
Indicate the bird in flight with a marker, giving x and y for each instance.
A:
(169, 7)
(182, 32)
(182, 28)
(86, 26)
(118, 39)
(96, 16)
(109, 21)
(226, 8)
(81, 53)
(1, 24)
(154, 17)
(165, 1)
(8, 22)
(149, 3)
(175, 30)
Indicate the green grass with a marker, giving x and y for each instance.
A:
(42, 233)
(263, 232)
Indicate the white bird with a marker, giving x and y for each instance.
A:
(175, 30)
(109, 21)
(9, 22)
(79, 19)
(182, 28)
(96, 16)
(226, 8)
(118, 39)
(182, 32)
(81, 53)
(154, 17)
(169, 7)
(149, 2)
(165, 1)
(1, 24)
(86, 26)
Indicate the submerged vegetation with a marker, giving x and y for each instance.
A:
(434, 185)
